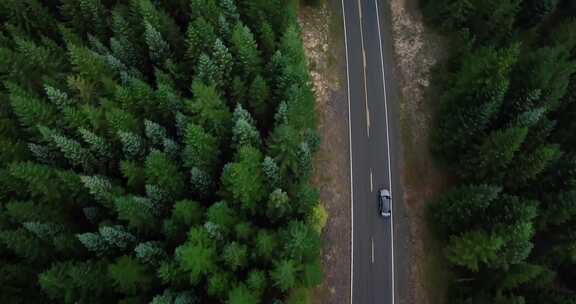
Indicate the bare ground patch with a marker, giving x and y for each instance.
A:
(417, 50)
(321, 33)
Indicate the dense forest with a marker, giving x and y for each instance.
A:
(506, 131)
(156, 152)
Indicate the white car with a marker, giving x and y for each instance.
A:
(384, 203)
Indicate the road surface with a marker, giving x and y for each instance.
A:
(371, 145)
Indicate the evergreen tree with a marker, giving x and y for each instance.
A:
(201, 150)
(132, 144)
(458, 209)
(246, 50)
(94, 243)
(482, 81)
(490, 158)
(266, 244)
(163, 172)
(71, 282)
(198, 255)
(129, 276)
(235, 255)
(470, 249)
(219, 284)
(223, 61)
(243, 181)
(244, 132)
(199, 38)
(117, 237)
(158, 48)
(209, 109)
(300, 241)
(260, 99)
(284, 274)
(278, 205)
(271, 172)
(138, 212)
(242, 295)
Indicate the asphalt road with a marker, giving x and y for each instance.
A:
(372, 144)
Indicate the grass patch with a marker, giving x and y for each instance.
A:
(437, 274)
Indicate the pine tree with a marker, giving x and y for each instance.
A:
(482, 81)
(221, 215)
(235, 255)
(29, 110)
(312, 274)
(284, 274)
(117, 237)
(260, 99)
(133, 173)
(157, 47)
(155, 133)
(246, 50)
(559, 208)
(100, 188)
(74, 152)
(198, 255)
(242, 295)
(98, 144)
(257, 281)
(200, 37)
(271, 172)
(164, 173)
(244, 132)
(284, 145)
(243, 180)
(528, 166)
(72, 282)
(201, 149)
(200, 183)
(150, 253)
(187, 213)
(132, 144)
(278, 205)
(489, 159)
(94, 243)
(209, 109)
(473, 248)
(223, 61)
(137, 212)
(267, 39)
(40, 179)
(206, 71)
(300, 241)
(219, 284)
(458, 209)
(266, 244)
(24, 244)
(128, 276)
(244, 231)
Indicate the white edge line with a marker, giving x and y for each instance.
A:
(350, 147)
(388, 144)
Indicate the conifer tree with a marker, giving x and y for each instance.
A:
(201, 149)
(71, 282)
(128, 276)
(284, 274)
(243, 180)
(209, 109)
(473, 248)
(246, 50)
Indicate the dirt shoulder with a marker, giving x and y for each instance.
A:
(322, 33)
(417, 50)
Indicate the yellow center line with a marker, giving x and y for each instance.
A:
(364, 64)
